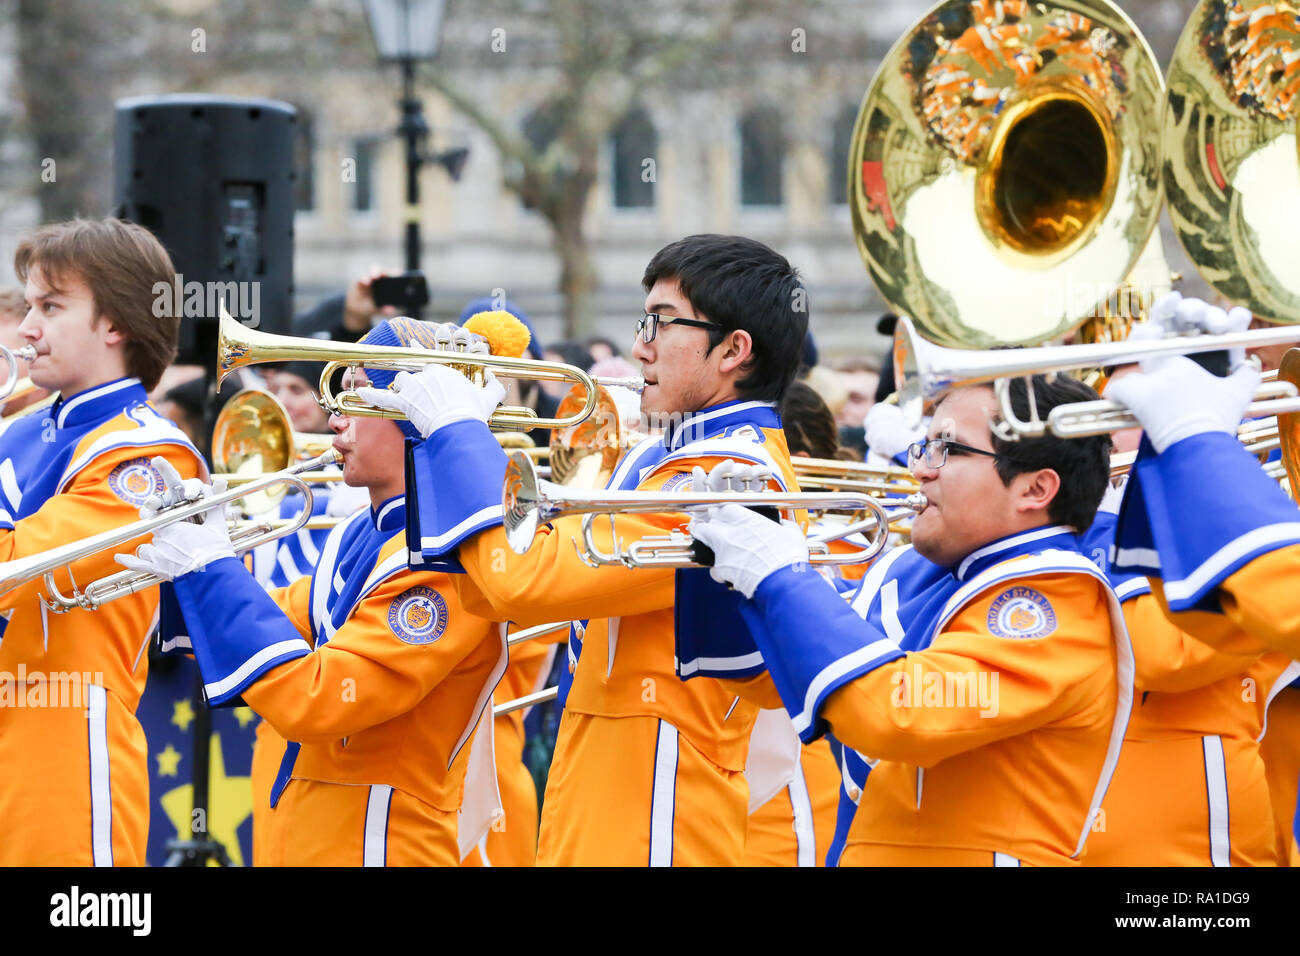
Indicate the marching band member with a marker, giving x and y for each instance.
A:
(647, 769)
(1021, 685)
(81, 467)
(1190, 788)
(1217, 577)
(377, 673)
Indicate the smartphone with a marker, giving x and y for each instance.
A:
(408, 290)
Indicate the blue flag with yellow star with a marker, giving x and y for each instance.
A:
(166, 713)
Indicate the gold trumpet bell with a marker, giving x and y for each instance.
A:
(1232, 154)
(585, 455)
(1004, 168)
(253, 435)
(1288, 426)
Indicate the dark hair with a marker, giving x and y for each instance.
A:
(120, 263)
(809, 425)
(1083, 464)
(741, 284)
(572, 353)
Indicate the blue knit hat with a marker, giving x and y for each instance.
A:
(492, 304)
(404, 332)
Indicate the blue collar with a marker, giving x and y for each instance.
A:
(391, 515)
(98, 403)
(1015, 545)
(716, 419)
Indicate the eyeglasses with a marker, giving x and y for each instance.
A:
(648, 325)
(936, 451)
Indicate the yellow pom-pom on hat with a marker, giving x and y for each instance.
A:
(506, 335)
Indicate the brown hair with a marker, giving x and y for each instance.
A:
(120, 263)
(809, 427)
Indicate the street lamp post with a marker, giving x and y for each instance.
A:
(407, 31)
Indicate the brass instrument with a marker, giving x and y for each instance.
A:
(253, 438)
(833, 474)
(924, 372)
(1288, 426)
(1004, 170)
(15, 573)
(528, 503)
(13, 385)
(1230, 158)
(529, 700)
(239, 346)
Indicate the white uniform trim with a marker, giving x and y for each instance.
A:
(9, 483)
(1143, 557)
(160, 432)
(94, 393)
(754, 659)
(889, 612)
(230, 681)
(1053, 561)
(1133, 587)
(1284, 679)
(630, 460)
(1004, 859)
(871, 580)
(832, 672)
(805, 836)
(1216, 795)
(101, 788)
(663, 796)
(1287, 532)
(375, 848)
(437, 541)
(694, 421)
(1015, 541)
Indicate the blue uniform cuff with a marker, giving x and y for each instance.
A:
(812, 642)
(453, 487)
(713, 637)
(238, 633)
(1173, 523)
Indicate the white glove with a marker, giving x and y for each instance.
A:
(344, 500)
(887, 431)
(1174, 398)
(731, 476)
(436, 397)
(176, 489)
(746, 546)
(1171, 313)
(183, 546)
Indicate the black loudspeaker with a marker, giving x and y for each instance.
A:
(213, 178)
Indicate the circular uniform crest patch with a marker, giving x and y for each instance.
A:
(1021, 612)
(418, 615)
(677, 481)
(135, 480)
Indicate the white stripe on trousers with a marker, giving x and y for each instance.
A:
(1216, 794)
(805, 836)
(101, 788)
(663, 796)
(375, 849)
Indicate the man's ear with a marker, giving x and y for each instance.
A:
(735, 351)
(1037, 489)
(113, 335)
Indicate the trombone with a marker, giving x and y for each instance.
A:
(239, 346)
(14, 574)
(834, 474)
(528, 502)
(925, 372)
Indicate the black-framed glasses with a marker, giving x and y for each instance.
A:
(936, 451)
(648, 325)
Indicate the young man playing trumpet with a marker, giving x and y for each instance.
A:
(71, 682)
(647, 769)
(988, 658)
(374, 672)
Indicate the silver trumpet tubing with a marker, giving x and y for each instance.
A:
(528, 502)
(14, 574)
(529, 700)
(11, 358)
(925, 372)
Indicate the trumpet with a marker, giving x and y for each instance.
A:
(239, 346)
(14, 574)
(925, 372)
(836, 475)
(13, 385)
(528, 502)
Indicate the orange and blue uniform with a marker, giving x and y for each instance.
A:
(1019, 689)
(1224, 577)
(647, 769)
(70, 683)
(377, 677)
